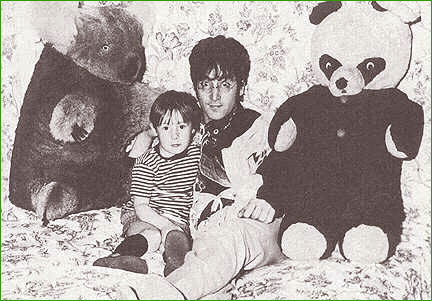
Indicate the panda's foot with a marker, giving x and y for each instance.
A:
(55, 200)
(301, 242)
(365, 244)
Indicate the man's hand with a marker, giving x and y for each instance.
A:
(141, 143)
(258, 209)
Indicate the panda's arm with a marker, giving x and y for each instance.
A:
(406, 126)
(282, 175)
(280, 168)
(283, 127)
(290, 117)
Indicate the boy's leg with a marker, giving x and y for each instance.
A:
(219, 253)
(123, 262)
(177, 244)
(151, 234)
(132, 225)
(141, 237)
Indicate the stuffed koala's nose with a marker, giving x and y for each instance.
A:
(135, 67)
(341, 83)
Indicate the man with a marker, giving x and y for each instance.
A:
(237, 230)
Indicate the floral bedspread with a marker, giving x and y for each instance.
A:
(55, 261)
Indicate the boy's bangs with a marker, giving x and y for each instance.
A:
(170, 115)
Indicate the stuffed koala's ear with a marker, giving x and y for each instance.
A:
(55, 22)
(322, 10)
(144, 11)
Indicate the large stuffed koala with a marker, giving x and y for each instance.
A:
(339, 146)
(80, 111)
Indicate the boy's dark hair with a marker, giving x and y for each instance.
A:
(225, 55)
(171, 101)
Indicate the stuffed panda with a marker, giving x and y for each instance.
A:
(339, 147)
(80, 110)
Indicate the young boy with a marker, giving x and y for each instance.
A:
(161, 188)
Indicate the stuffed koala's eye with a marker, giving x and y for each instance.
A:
(370, 66)
(105, 48)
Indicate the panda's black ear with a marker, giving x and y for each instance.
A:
(322, 10)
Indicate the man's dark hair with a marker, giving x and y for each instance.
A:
(171, 101)
(225, 55)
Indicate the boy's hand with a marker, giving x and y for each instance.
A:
(258, 209)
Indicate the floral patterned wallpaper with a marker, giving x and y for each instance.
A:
(277, 36)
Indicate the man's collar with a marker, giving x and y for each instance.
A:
(216, 126)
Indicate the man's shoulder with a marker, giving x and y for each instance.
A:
(244, 120)
(249, 115)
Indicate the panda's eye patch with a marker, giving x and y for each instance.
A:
(328, 65)
(370, 68)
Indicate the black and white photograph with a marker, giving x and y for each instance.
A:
(216, 150)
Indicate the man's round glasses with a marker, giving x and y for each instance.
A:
(224, 86)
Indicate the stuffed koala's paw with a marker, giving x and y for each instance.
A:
(365, 244)
(54, 200)
(73, 118)
(78, 133)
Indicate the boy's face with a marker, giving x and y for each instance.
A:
(174, 134)
(217, 96)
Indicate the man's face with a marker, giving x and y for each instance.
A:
(218, 96)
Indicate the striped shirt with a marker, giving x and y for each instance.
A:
(167, 183)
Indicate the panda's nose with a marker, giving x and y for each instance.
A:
(341, 83)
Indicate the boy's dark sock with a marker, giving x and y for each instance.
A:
(134, 245)
(125, 262)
